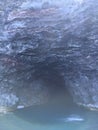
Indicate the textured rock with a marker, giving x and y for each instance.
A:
(49, 38)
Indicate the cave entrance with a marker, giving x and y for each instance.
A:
(52, 76)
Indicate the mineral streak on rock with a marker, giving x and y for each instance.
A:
(23, 14)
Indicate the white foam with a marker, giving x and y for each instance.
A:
(73, 118)
(20, 107)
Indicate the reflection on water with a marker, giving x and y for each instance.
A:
(59, 114)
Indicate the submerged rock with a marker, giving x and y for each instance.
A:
(43, 40)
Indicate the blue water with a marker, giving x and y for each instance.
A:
(58, 114)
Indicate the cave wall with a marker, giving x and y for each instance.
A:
(41, 39)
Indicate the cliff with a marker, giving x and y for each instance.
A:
(47, 40)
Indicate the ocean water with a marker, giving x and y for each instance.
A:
(57, 114)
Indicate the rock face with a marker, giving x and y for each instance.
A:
(41, 40)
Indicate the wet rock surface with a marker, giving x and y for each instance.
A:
(45, 40)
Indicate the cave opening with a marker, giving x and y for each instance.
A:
(51, 74)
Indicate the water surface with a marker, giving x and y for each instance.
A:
(57, 114)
